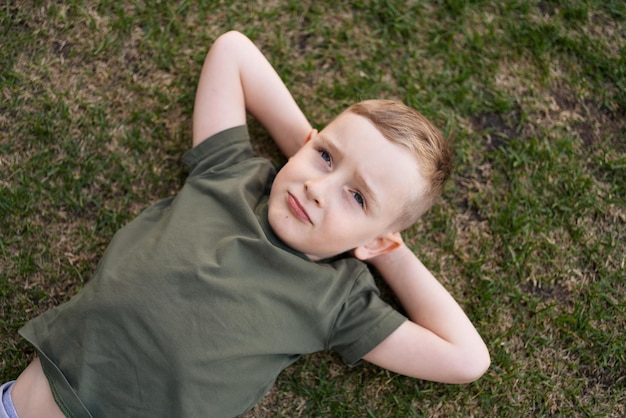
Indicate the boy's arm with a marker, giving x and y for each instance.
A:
(439, 343)
(237, 78)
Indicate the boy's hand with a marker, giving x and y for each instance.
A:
(439, 342)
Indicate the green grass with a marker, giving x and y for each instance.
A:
(95, 113)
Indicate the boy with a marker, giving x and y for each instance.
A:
(202, 300)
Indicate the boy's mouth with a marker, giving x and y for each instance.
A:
(297, 209)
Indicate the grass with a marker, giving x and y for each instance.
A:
(95, 113)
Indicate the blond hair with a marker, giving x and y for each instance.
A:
(405, 126)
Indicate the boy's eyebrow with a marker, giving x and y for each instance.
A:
(332, 147)
(360, 179)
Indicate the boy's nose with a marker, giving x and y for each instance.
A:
(313, 189)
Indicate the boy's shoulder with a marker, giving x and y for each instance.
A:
(226, 147)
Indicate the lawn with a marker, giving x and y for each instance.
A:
(95, 113)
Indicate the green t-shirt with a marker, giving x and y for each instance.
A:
(196, 306)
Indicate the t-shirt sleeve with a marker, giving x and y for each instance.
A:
(363, 322)
(224, 149)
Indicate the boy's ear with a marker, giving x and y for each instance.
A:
(378, 246)
(310, 135)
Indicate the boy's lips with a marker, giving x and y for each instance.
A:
(297, 209)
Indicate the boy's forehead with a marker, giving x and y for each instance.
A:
(350, 129)
(349, 121)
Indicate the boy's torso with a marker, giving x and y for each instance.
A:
(196, 293)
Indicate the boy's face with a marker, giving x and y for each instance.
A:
(342, 190)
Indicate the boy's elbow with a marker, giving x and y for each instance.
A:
(472, 367)
(231, 41)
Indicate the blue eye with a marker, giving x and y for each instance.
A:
(325, 156)
(358, 198)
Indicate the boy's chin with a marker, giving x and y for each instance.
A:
(293, 239)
